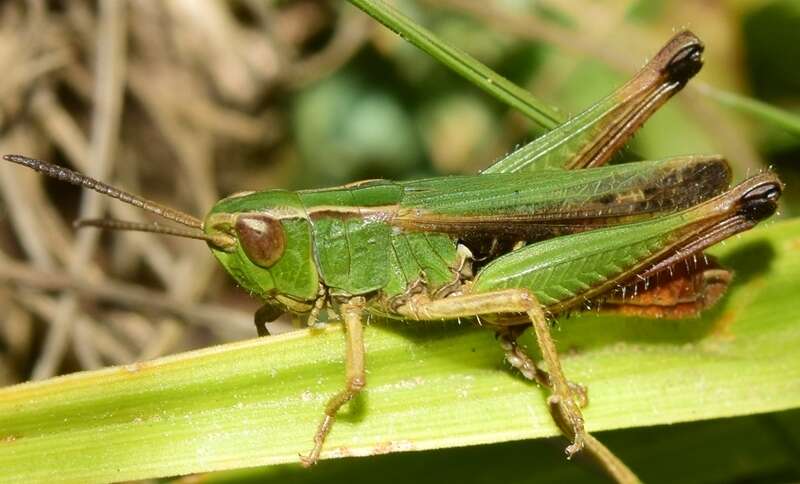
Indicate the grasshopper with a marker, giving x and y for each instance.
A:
(544, 231)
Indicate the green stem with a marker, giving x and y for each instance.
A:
(462, 63)
(760, 110)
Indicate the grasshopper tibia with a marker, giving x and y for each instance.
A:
(355, 379)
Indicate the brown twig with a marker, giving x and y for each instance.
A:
(223, 320)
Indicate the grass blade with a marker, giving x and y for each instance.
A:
(464, 64)
(778, 117)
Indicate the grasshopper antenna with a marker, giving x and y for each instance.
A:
(196, 225)
(220, 240)
(75, 178)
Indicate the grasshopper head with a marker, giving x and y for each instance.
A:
(270, 251)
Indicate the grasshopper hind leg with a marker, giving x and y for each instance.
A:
(564, 405)
(565, 399)
(355, 380)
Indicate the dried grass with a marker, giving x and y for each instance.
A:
(169, 99)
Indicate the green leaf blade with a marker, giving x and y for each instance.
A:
(759, 110)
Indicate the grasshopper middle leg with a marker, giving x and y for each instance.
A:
(519, 359)
(351, 312)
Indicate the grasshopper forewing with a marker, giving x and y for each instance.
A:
(525, 240)
(532, 206)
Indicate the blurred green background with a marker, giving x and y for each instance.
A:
(211, 98)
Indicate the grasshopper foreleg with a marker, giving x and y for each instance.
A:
(266, 314)
(351, 312)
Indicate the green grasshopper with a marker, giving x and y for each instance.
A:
(544, 231)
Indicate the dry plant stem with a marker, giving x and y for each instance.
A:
(107, 345)
(173, 103)
(37, 224)
(17, 329)
(49, 50)
(611, 464)
(111, 53)
(351, 32)
(237, 58)
(191, 148)
(28, 45)
(64, 131)
(168, 334)
(59, 125)
(193, 153)
(233, 124)
(226, 322)
(96, 341)
(42, 66)
(83, 343)
(22, 209)
(131, 325)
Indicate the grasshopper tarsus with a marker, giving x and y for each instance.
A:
(519, 359)
(261, 329)
(565, 410)
(567, 416)
(580, 393)
(310, 459)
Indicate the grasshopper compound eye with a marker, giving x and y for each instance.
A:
(261, 238)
